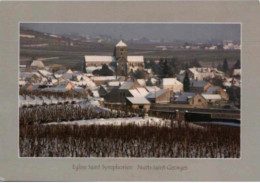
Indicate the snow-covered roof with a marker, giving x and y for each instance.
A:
(126, 85)
(156, 94)
(121, 44)
(69, 71)
(115, 83)
(37, 63)
(95, 93)
(143, 92)
(44, 73)
(135, 58)
(141, 82)
(182, 72)
(237, 72)
(22, 82)
(138, 100)
(211, 96)
(98, 58)
(170, 81)
(109, 59)
(135, 93)
(103, 78)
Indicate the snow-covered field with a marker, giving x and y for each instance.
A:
(140, 121)
(40, 101)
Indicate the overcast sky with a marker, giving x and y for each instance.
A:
(168, 31)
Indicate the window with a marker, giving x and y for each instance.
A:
(199, 100)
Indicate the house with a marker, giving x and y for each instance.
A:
(217, 90)
(212, 99)
(22, 68)
(172, 84)
(237, 72)
(229, 82)
(100, 80)
(199, 86)
(183, 98)
(21, 82)
(30, 87)
(103, 90)
(161, 96)
(119, 94)
(37, 64)
(199, 101)
(62, 86)
(138, 103)
(68, 75)
(202, 73)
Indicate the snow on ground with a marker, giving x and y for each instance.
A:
(92, 102)
(39, 101)
(154, 121)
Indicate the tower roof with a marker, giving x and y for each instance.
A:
(120, 44)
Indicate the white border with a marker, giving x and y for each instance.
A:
(127, 158)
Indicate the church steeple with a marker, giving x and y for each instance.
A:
(120, 50)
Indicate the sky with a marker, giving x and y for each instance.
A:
(169, 31)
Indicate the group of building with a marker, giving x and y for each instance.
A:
(122, 88)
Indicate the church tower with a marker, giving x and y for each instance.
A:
(120, 54)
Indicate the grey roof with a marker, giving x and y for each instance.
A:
(195, 83)
(184, 96)
(212, 89)
(156, 94)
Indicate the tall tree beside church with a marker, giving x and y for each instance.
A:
(186, 82)
(225, 65)
(237, 65)
(168, 70)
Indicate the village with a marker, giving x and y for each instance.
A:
(116, 83)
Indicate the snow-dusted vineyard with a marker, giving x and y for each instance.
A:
(60, 126)
(65, 112)
(35, 100)
(128, 141)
